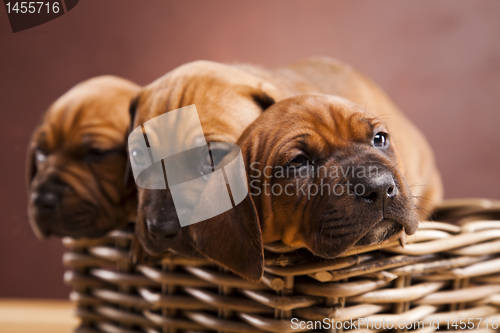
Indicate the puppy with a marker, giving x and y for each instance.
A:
(228, 98)
(327, 174)
(333, 77)
(76, 162)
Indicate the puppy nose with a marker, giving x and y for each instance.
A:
(45, 200)
(377, 188)
(162, 229)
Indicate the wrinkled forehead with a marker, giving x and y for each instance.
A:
(101, 124)
(224, 110)
(172, 131)
(316, 125)
(333, 119)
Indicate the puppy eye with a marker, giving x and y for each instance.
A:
(218, 150)
(93, 155)
(138, 157)
(40, 156)
(218, 154)
(95, 152)
(298, 162)
(206, 167)
(381, 140)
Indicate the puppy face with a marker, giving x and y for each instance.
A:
(77, 161)
(325, 175)
(227, 99)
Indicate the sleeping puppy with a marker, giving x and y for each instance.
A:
(327, 174)
(76, 162)
(228, 99)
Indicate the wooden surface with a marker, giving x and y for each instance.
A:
(36, 316)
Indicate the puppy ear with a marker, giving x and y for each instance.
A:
(266, 94)
(132, 110)
(233, 240)
(263, 100)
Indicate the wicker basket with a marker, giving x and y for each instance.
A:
(447, 271)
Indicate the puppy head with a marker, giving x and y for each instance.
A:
(325, 175)
(76, 162)
(228, 100)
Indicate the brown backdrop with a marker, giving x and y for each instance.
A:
(440, 62)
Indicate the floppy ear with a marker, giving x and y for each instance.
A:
(233, 239)
(262, 99)
(266, 94)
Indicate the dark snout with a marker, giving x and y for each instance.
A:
(162, 228)
(384, 193)
(377, 189)
(160, 216)
(45, 203)
(55, 208)
(48, 196)
(158, 227)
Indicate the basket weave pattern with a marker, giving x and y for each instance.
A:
(446, 271)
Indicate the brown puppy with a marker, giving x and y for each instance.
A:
(77, 159)
(228, 99)
(416, 160)
(327, 174)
